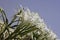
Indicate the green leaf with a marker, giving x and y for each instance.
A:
(4, 16)
(21, 26)
(26, 31)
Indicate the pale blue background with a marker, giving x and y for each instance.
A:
(49, 10)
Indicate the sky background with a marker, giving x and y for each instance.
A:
(49, 10)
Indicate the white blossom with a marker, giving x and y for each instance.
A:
(38, 21)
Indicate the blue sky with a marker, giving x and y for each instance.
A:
(49, 10)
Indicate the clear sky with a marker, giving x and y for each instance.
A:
(49, 10)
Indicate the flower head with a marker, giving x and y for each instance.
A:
(35, 19)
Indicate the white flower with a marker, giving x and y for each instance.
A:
(36, 20)
(52, 35)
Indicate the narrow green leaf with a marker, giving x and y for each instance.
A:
(25, 32)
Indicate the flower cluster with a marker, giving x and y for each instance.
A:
(35, 19)
(32, 17)
(25, 25)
